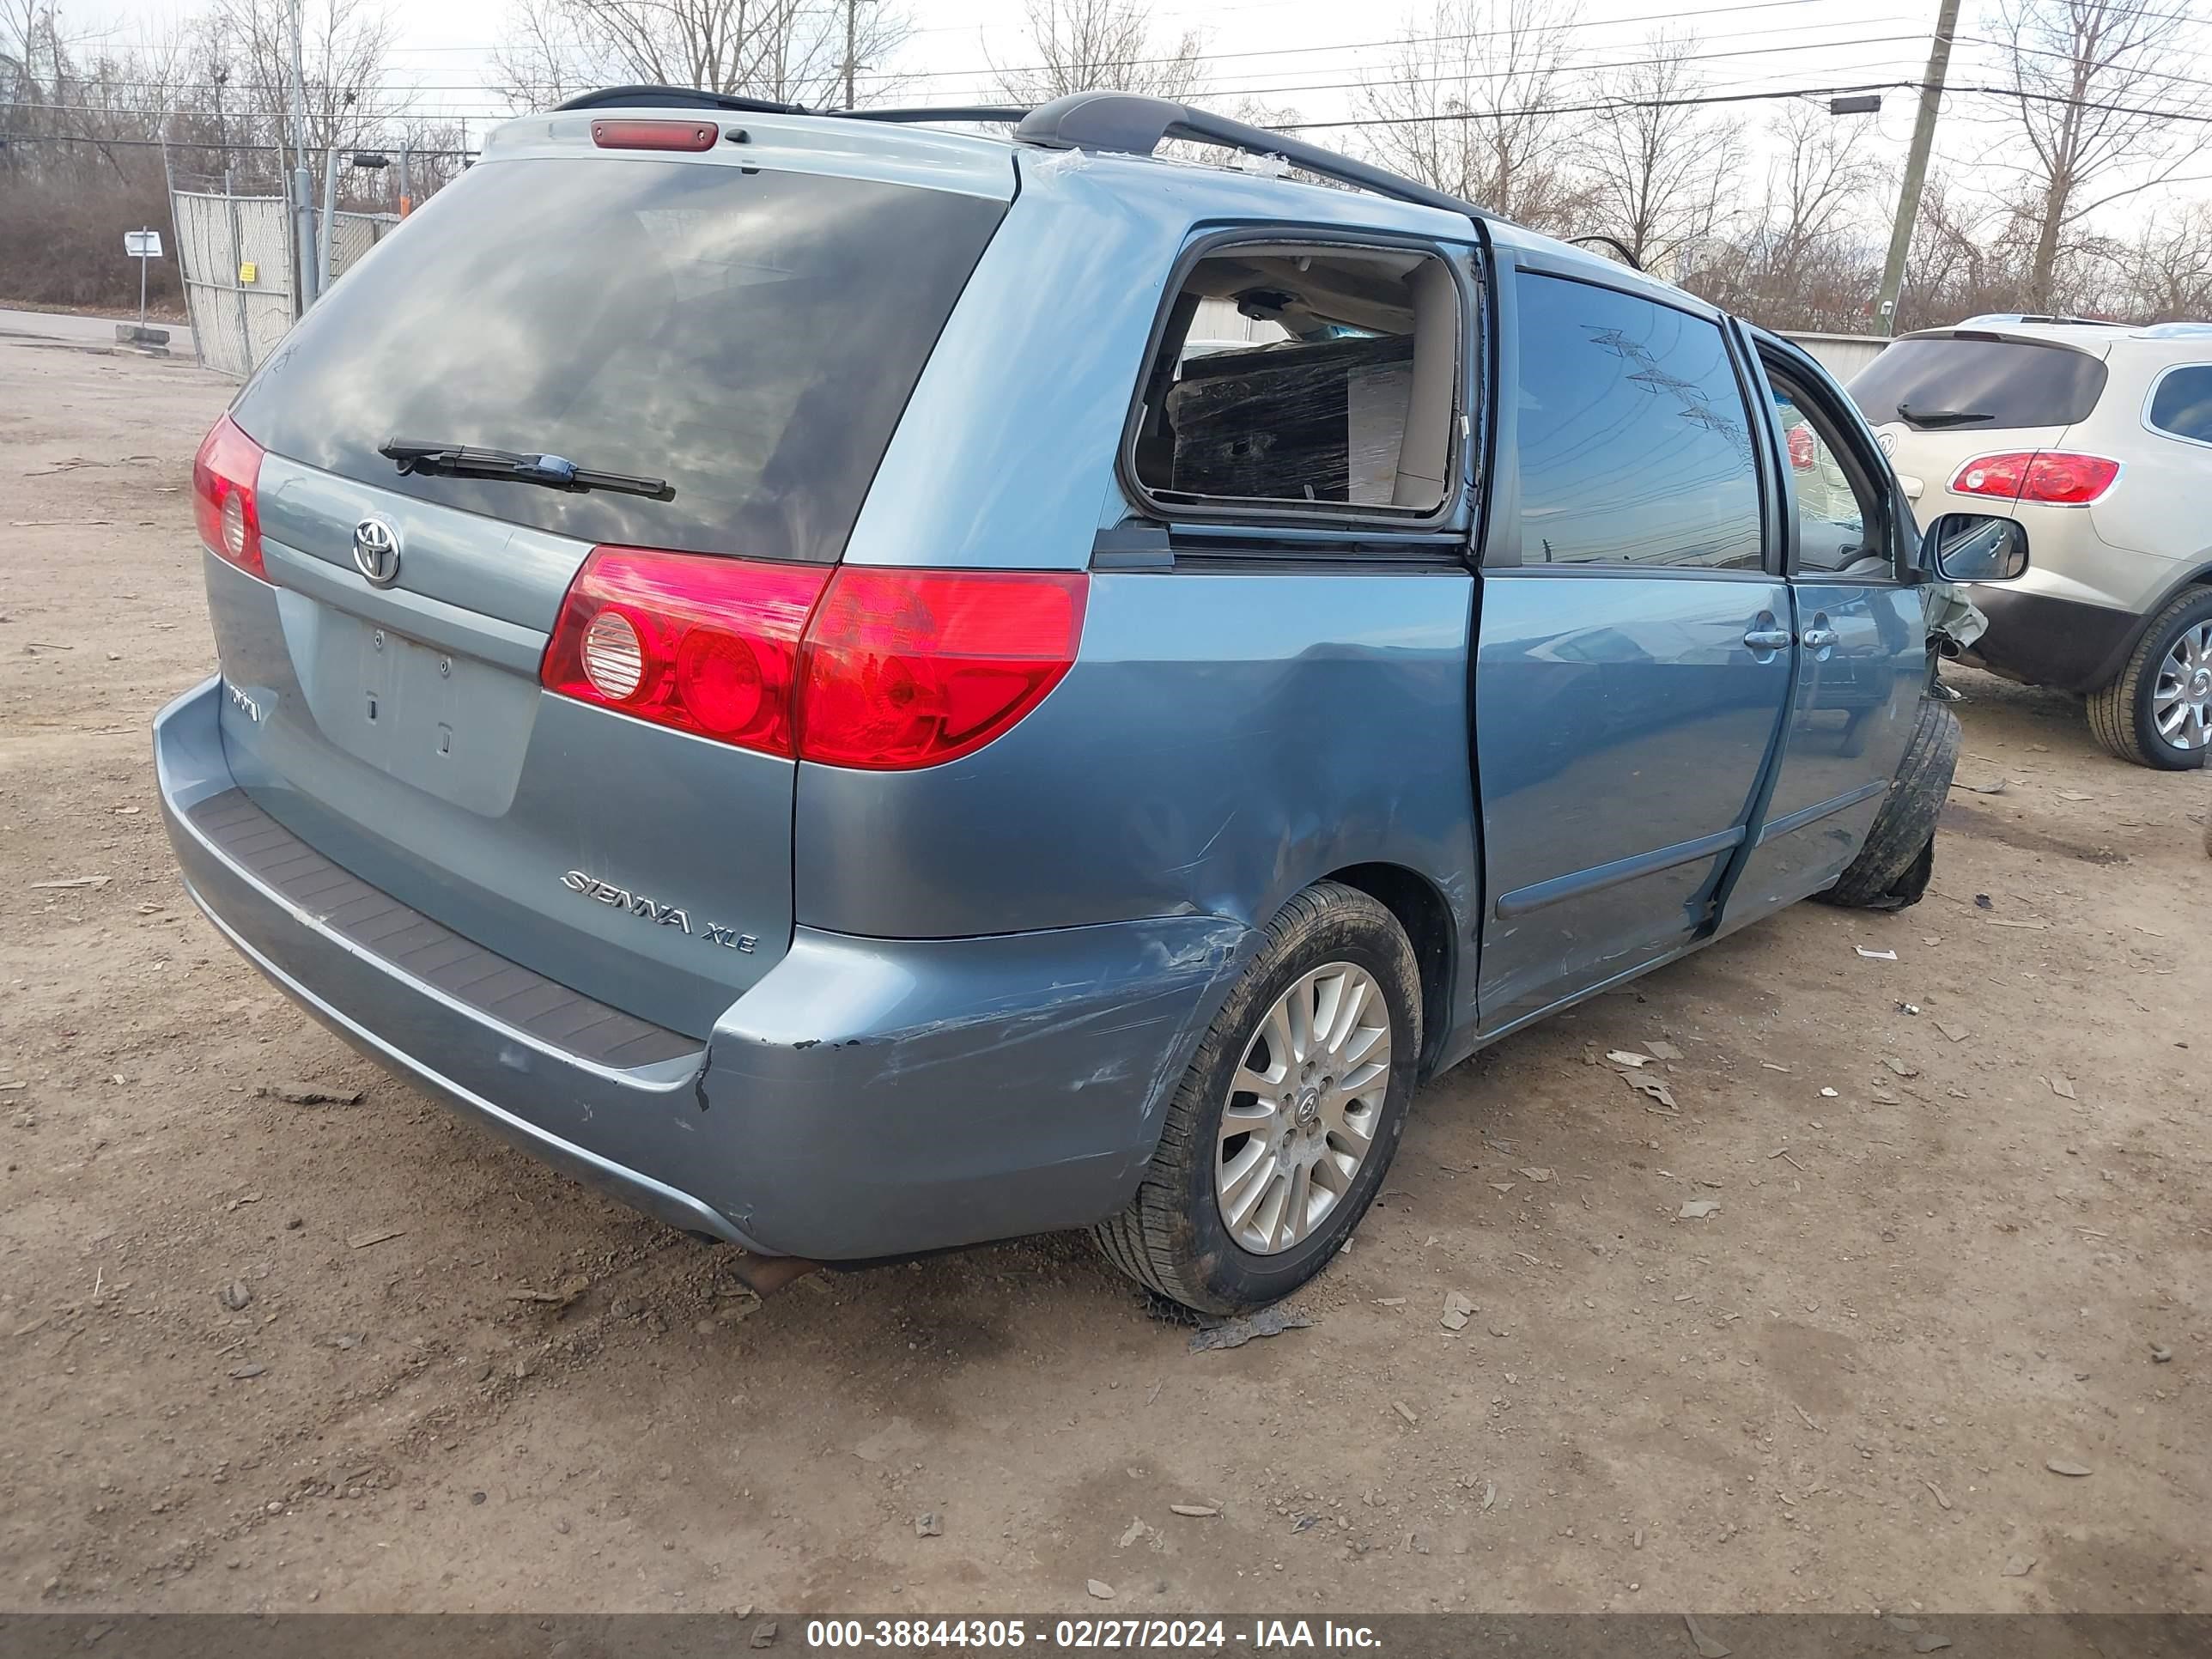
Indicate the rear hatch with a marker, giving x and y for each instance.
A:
(1939, 399)
(743, 325)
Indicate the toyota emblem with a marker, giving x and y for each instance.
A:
(376, 552)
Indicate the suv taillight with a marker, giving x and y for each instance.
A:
(858, 666)
(2055, 477)
(225, 474)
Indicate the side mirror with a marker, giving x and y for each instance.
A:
(1969, 547)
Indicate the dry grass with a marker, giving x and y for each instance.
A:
(61, 241)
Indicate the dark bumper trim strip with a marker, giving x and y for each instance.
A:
(426, 949)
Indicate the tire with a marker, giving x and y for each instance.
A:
(2122, 716)
(1891, 869)
(1174, 1238)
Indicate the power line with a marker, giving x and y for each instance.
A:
(1599, 105)
(2039, 52)
(1676, 15)
(11, 139)
(1461, 77)
(991, 71)
(1587, 107)
(1725, 98)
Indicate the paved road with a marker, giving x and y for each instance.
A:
(65, 325)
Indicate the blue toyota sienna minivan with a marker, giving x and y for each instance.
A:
(868, 689)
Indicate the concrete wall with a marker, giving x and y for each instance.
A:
(1842, 355)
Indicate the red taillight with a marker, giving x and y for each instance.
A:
(908, 668)
(704, 644)
(2052, 476)
(655, 135)
(224, 475)
(896, 669)
(1802, 455)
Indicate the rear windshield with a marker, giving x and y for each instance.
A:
(1934, 383)
(749, 336)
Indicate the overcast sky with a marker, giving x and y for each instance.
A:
(1309, 55)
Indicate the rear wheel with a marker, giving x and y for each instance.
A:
(1892, 868)
(2158, 711)
(1278, 1136)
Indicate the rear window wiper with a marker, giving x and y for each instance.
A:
(552, 471)
(1941, 417)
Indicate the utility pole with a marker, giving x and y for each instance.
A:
(329, 221)
(303, 182)
(852, 46)
(1916, 167)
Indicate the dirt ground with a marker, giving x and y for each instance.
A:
(1953, 1251)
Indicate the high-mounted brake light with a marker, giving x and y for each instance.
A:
(2053, 477)
(880, 669)
(225, 475)
(655, 135)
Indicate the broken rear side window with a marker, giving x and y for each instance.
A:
(1306, 379)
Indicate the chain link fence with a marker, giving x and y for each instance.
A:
(234, 254)
(352, 235)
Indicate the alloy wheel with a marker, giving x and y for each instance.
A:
(2181, 696)
(1303, 1108)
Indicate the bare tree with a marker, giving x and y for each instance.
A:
(541, 61)
(1084, 44)
(81, 93)
(346, 46)
(35, 58)
(1805, 260)
(2169, 266)
(1469, 101)
(78, 169)
(798, 51)
(1971, 253)
(1660, 170)
(1819, 178)
(2096, 110)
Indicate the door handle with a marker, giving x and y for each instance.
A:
(1768, 639)
(1817, 639)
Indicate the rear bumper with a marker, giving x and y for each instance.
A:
(865, 1098)
(2043, 641)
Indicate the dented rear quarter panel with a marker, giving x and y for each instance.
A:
(1224, 740)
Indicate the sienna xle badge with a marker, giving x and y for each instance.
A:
(892, 688)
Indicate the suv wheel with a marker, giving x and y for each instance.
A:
(2158, 711)
(1279, 1137)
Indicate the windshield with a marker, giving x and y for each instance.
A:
(749, 336)
(1978, 383)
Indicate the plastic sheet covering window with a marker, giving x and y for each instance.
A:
(1296, 421)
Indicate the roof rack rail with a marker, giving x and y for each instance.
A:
(2058, 318)
(1136, 125)
(1125, 122)
(678, 98)
(1004, 113)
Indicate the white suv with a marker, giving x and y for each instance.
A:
(2098, 438)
